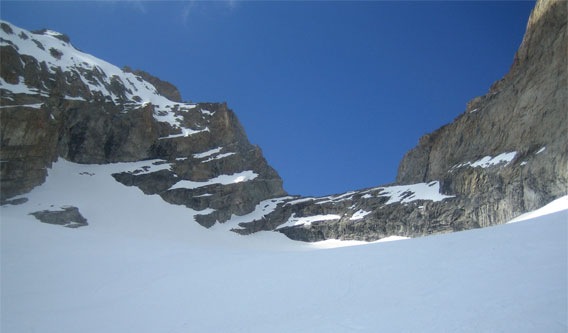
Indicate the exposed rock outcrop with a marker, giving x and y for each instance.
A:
(505, 155)
(164, 88)
(524, 112)
(57, 102)
(69, 217)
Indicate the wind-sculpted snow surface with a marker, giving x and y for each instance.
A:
(143, 265)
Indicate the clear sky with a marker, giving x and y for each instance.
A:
(333, 92)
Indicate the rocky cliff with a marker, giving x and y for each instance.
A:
(505, 155)
(58, 102)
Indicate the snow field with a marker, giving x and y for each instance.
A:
(144, 265)
(557, 205)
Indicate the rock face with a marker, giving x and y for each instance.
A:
(69, 217)
(525, 112)
(57, 102)
(163, 88)
(505, 155)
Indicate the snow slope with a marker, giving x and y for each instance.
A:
(142, 265)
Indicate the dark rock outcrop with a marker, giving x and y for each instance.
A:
(69, 217)
(164, 88)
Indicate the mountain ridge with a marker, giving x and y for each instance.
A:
(504, 155)
(495, 161)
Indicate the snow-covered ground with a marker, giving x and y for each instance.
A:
(142, 265)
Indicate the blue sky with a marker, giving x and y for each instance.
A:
(333, 92)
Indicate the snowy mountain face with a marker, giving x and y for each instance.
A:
(58, 102)
(504, 156)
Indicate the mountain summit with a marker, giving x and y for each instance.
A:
(504, 156)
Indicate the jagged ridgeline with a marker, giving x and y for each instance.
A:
(505, 155)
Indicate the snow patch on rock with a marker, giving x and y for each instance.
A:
(221, 179)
